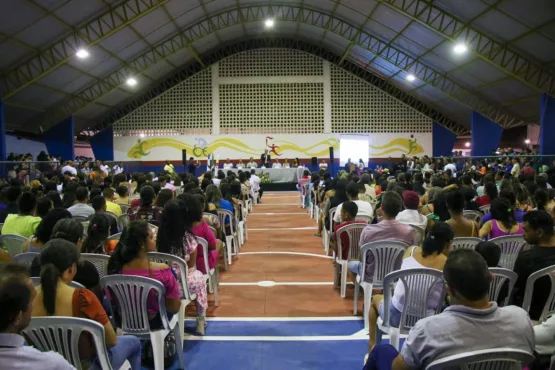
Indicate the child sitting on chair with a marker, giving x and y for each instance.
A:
(349, 211)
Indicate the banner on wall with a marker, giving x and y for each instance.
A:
(283, 146)
(132, 148)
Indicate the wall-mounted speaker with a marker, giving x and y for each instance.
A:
(184, 156)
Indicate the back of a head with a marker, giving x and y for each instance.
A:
(156, 186)
(57, 256)
(82, 194)
(147, 195)
(440, 207)
(434, 193)
(365, 178)
(95, 191)
(173, 225)
(213, 194)
(133, 239)
(108, 194)
(466, 180)
(490, 251)
(541, 199)
(98, 203)
(503, 211)
(15, 295)
(350, 208)
(508, 194)
(439, 237)
(353, 190)
(306, 173)
(164, 196)
(122, 191)
(539, 221)
(467, 275)
(27, 203)
(44, 230)
(97, 233)
(68, 229)
(392, 203)
(411, 200)
(455, 202)
(44, 205)
(491, 190)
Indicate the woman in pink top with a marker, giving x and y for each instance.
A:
(201, 229)
(503, 220)
(175, 238)
(130, 258)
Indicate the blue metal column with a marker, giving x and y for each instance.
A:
(3, 169)
(443, 140)
(485, 135)
(60, 140)
(102, 145)
(547, 125)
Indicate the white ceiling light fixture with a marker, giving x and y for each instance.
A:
(467, 144)
(527, 141)
(141, 135)
(82, 54)
(460, 48)
(131, 81)
(410, 78)
(269, 23)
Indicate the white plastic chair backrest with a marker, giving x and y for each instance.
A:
(174, 261)
(26, 258)
(475, 216)
(123, 221)
(365, 219)
(331, 216)
(214, 231)
(115, 237)
(80, 218)
(223, 214)
(353, 231)
(124, 208)
(85, 227)
(485, 209)
(213, 218)
(418, 234)
(464, 243)
(419, 284)
(484, 359)
(73, 284)
(112, 214)
(204, 244)
(153, 227)
(501, 277)
(61, 334)
(549, 308)
(131, 294)
(388, 257)
(13, 243)
(510, 248)
(99, 261)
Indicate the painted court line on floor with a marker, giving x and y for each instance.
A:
(281, 318)
(284, 229)
(276, 213)
(291, 253)
(299, 283)
(280, 339)
(277, 204)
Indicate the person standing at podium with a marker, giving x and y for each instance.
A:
(266, 159)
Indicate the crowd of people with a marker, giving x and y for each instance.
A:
(164, 213)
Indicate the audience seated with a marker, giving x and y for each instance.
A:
(44, 230)
(364, 208)
(12, 195)
(470, 323)
(164, 196)
(25, 222)
(440, 211)
(44, 205)
(490, 251)
(175, 238)
(97, 235)
(81, 208)
(410, 215)
(99, 206)
(538, 232)
(462, 227)
(55, 297)
(147, 211)
(490, 193)
(16, 299)
(108, 194)
(348, 211)
(503, 220)
(201, 229)
(123, 193)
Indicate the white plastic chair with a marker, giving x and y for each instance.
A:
(131, 293)
(80, 218)
(353, 231)
(510, 248)
(419, 285)
(325, 233)
(73, 284)
(549, 307)
(484, 359)
(224, 250)
(232, 239)
(100, 262)
(13, 243)
(61, 334)
(85, 228)
(212, 275)
(313, 204)
(187, 297)
(123, 221)
(475, 216)
(124, 208)
(465, 243)
(115, 237)
(418, 234)
(365, 219)
(501, 277)
(26, 258)
(388, 257)
(485, 209)
(242, 224)
(112, 214)
(303, 191)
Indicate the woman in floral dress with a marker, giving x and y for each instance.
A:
(175, 238)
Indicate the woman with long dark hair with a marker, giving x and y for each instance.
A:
(97, 235)
(490, 193)
(147, 210)
(441, 212)
(176, 238)
(502, 220)
(55, 297)
(339, 197)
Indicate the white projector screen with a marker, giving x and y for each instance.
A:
(354, 147)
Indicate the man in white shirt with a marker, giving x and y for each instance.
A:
(69, 167)
(104, 168)
(364, 208)
(255, 182)
(228, 164)
(252, 163)
(17, 293)
(323, 165)
(169, 168)
(450, 166)
(119, 169)
(276, 164)
(81, 208)
(515, 171)
(411, 216)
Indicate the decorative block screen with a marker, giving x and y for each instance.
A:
(271, 62)
(184, 109)
(358, 107)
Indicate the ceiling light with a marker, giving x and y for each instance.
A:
(467, 144)
(269, 23)
(410, 78)
(131, 81)
(527, 141)
(460, 48)
(82, 54)
(141, 135)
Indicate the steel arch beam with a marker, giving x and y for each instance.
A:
(238, 47)
(496, 53)
(257, 13)
(90, 34)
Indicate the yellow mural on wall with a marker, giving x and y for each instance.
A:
(203, 149)
(408, 146)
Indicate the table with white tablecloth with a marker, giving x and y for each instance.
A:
(276, 174)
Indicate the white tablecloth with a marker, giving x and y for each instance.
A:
(276, 174)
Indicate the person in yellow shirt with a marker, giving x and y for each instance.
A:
(24, 223)
(108, 194)
(169, 168)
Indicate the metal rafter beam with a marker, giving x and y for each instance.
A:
(351, 43)
(60, 52)
(257, 13)
(226, 51)
(496, 53)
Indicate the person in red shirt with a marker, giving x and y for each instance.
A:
(349, 211)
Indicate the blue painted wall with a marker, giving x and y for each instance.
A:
(60, 139)
(443, 140)
(102, 145)
(547, 125)
(485, 135)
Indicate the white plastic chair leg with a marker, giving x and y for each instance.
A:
(325, 240)
(302, 201)
(215, 288)
(240, 232)
(126, 366)
(367, 288)
(181, 318)
(237, 245)
(228, 245)
(310, 209)
(343, 280)
(355, 301)
(157, 341)
(394, 337)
